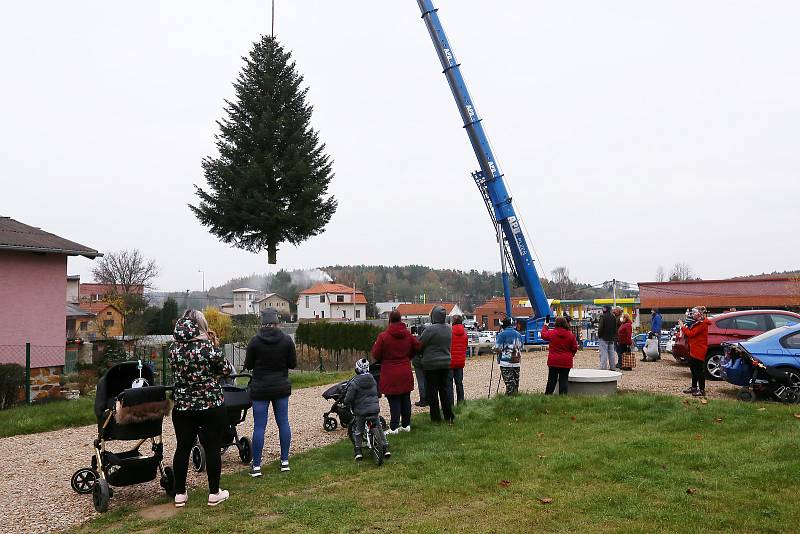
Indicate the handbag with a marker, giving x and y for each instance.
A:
(628, 361)
(681, 346)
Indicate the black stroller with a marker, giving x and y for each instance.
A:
(336, 393)
(127, 408)
(237, 402)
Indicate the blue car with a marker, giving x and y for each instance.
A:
(776, 350)
(639, 340)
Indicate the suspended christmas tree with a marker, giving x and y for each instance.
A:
(269, 183)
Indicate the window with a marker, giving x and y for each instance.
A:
(84, 326)
(783, 320)
(108, 314)
(344, 314)
(339, 298)
(108, 322)
(791, 342)
(497, 322)
(358, 314)
(725, 323)
(322, 298)
(323, 314)
(306, 301)
(756, 322)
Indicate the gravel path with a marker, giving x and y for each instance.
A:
(35, 470)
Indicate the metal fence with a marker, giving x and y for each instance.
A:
(42, 366)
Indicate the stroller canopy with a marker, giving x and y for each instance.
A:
(116, 380)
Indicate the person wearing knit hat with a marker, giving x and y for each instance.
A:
(270, 355)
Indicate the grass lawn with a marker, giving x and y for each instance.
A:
(633, 463)
(67, 414)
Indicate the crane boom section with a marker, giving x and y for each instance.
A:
(493, 178)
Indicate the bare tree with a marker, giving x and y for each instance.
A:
(125, 270)
(562, 281)
(681, 271)
(661, 276)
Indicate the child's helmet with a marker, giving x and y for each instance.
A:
(362, 366)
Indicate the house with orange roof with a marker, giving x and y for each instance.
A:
(421, 313)
(108, 321)
(331, 301)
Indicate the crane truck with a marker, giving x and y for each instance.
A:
(515, 254)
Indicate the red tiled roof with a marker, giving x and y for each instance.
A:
(86, 290)
(777, 291)
(341, 289)
(96, 307)
(424, 309)
(20, 237)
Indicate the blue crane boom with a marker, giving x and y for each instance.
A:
(489, 180)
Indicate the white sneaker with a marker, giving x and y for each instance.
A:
(405, 428)
(285, 465)
(180, 500)
(395, 431)
(255, 471)
(216, 498)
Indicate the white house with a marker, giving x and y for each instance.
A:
(273, 300)
(384, 308)
(331, 301)
(244, 301)
(421, 313)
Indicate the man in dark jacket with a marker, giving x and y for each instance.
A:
(606, 334)
(435, 346)
(270, 355)
(362, 397)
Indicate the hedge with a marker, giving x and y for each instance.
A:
(338, 336)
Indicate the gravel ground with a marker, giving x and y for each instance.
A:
(36, 469)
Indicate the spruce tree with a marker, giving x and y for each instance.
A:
(270, 181)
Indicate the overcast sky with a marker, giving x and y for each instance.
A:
(632, 134)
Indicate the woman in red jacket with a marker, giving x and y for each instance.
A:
(458, 357)
(624, 337)
(561, 352)
(394, 348)
(697, 336)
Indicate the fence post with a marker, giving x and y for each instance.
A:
(28, 372)
(163, 365)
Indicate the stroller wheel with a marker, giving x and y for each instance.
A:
(198, 458)
(83, 480)
(745, 395)
(168, 481)
(101, 494)
(376, 446)
(245, 447)
(329, 424)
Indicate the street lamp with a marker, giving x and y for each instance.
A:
(204, 279)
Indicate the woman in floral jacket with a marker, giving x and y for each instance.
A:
(197, 365)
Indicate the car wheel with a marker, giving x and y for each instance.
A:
(714, 365)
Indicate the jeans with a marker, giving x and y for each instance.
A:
(698, 373)
(209, 425)
(510, 379)
(437, 391)
(399, 409)
(560, 375)
(358, 428)
(421, 383)
(280, 408)
(456, 376)
(608, 354)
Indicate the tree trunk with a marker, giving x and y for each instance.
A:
(272, 254)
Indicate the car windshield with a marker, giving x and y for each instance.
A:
(770, 334)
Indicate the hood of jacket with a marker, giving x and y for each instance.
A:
(270, 335)
(397, 330)
(438, 315)
(186, 330)
(458, 330)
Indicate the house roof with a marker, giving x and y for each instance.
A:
(326, 288)
(498, 305)
(270, 295)
(245, 290)
(17, 236)
(73, 277)
(76, 311)
(97, 307)
(424, 309)
(775, 291)
(106, 289)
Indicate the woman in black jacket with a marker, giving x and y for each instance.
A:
(270, 355)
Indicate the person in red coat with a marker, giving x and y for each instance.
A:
(625, 337)
(458, 358)
(394, 349)
(697, 336)
(561, 352)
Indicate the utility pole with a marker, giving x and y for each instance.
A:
(204, 279)
(272, 32)
(614, 290)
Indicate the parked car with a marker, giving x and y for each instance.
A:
(777, 349)
(735, 327)
(639, 340)
(487, 336)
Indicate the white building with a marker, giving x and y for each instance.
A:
(421, 313)
(384, 308)
(273, 300)
(331, 301)
(244, 301)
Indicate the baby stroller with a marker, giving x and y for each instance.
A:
(237, 402)
(127, 408)
(336, 393)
